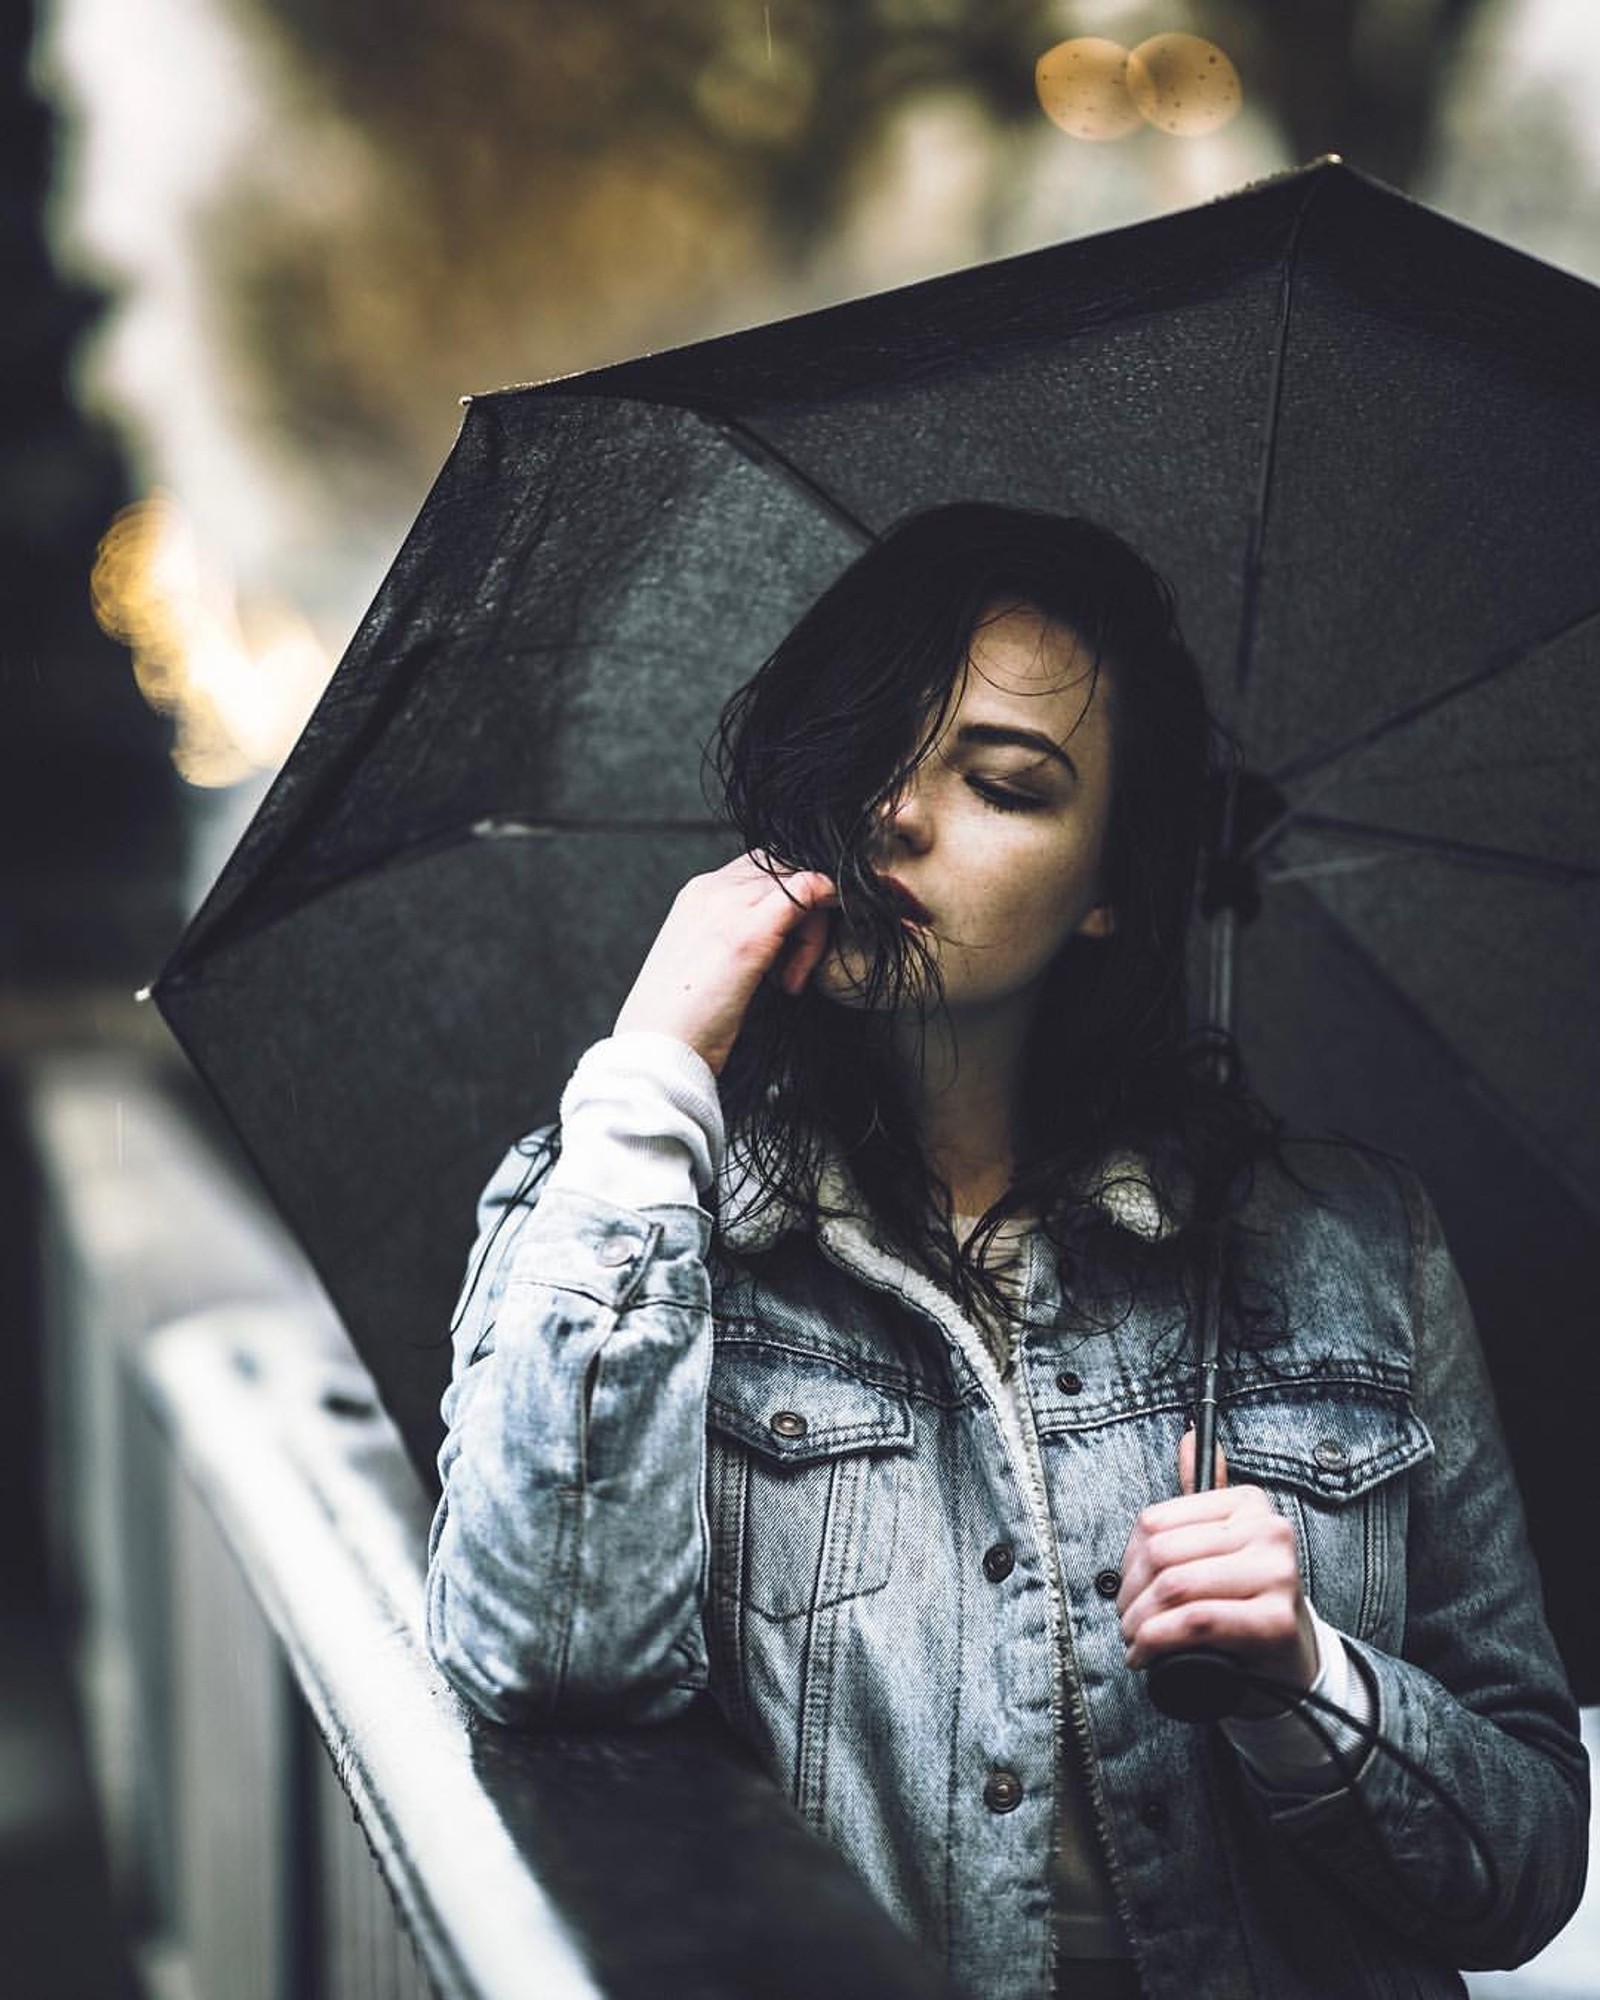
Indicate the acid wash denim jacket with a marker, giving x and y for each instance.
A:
(765, 1458)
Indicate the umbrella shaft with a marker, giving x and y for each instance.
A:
(1205, 1427)
(1221, 969)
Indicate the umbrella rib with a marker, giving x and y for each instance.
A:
(1254, 560)
(1520, 1127)
(1222, 967)
(501, 826)
(1396, 841)
(1321, 763)
(494, 826)
(755, 446)
(226, 926)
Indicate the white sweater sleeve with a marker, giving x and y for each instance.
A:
(641, 1123)
(1284, 1752)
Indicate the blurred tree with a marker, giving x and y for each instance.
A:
(793, 96)
(787, 99)
(88, 808)
(89, 825)
(505, 188)
(1365, 78)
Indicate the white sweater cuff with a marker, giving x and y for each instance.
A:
(1284, 1752)
(641, 1123)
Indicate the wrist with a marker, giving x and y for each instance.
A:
(1296, 1669)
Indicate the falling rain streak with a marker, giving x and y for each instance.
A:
(1096, 89)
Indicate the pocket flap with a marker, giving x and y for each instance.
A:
(1332, 1445)
(794, 1407)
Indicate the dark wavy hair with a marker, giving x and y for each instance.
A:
(808, 754)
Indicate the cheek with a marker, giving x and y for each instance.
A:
(1049, 892)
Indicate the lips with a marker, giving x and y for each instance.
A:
(908, 904)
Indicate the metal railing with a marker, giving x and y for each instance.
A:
(296, 1806)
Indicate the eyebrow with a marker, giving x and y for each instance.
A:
(999, 736)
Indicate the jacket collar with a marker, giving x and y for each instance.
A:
(753, 1217)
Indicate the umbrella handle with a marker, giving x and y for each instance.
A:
(1197, 1685)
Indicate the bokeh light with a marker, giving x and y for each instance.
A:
(1183, 85)
(1083, 88)
(238, 680)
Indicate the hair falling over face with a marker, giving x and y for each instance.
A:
(810, 755)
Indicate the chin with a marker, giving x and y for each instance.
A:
(841, 978)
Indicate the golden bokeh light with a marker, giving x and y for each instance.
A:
(1083, 88)
(1183, 85)
(237, 680)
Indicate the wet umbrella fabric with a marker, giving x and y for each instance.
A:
(1364, 444)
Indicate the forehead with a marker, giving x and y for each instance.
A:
(1023, 665)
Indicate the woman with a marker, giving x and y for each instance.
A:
(834, 1356)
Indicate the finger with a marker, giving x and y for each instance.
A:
(1258, 1569)
(1186, 1465)
(781, 917)
(1222, 1571)
(1217, 1505)
(1240, 1626)
(1188, 1530)
(1191, 1541)
(784, 902)
(811, 890)
(808, 944)
(805, 886)
(1235, 1579)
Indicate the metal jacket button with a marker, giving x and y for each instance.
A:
(1068, 1383)
(1330, 1454)
(615, 1250)
(787, 1424)
(1002, 1791)
(999, 1562)
(1108, 1582)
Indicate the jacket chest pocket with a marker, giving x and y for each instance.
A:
(803, 1479)
(1335, 1458)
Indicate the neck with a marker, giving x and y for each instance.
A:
(966, 1072)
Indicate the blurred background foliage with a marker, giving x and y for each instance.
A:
(500, 190)
(317, 223)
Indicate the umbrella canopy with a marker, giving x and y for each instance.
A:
(1362, 442)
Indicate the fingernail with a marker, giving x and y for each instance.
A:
(1188, 1422)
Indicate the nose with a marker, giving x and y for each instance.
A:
(903, 818)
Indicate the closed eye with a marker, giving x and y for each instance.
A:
(1001, 798)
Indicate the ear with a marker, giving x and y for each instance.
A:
(1100, 922)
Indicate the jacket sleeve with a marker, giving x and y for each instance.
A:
(1479, 1701)
(569, 1549)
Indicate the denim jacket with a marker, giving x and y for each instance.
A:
(767, 1460)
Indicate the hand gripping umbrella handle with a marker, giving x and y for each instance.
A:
(1201, 1684)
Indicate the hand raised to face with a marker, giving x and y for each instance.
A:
(726, 931)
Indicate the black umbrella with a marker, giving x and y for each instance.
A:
(1362, 441)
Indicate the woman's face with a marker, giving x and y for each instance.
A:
(996, 840)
